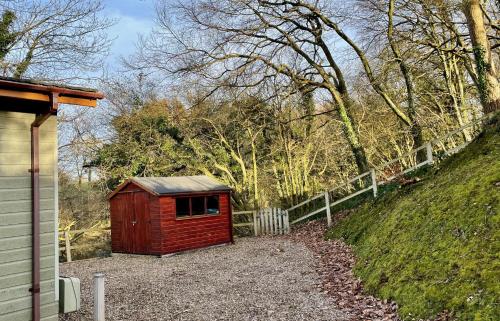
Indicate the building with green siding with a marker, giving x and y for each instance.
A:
(28, 196)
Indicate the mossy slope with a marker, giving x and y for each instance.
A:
(435, 245)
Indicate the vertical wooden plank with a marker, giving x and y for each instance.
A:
(280, 221)
(259, 221)
(328, 210)
(275, 221)
(374, 182)
(271, 212)
(128, 218)
(283, 221)
(283, 218)
(142, 223)
(255, 227)
(271, 217)
(266, 222)
(262, 221)
(68, 246)
(287, 222)
(268, 227)
(428, 148)
(262, 230)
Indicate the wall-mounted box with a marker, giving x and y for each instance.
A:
(69, 294)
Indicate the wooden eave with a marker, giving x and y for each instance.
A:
(124, 184)
(41, 93)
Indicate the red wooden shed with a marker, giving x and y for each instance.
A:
(162, 215)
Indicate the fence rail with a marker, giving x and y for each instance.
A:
(67, 239)
(373, 174)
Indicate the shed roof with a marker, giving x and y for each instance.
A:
(175, 185)
(48, 86)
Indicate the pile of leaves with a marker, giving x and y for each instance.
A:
(334, 263)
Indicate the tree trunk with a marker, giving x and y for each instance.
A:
(344, 104)
(256, 200)
(415, 128)
(488, 84)
(352, 137)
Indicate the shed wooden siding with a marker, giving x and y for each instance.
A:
(15, 217)
(191, 233)
(165, 232)
(118, 206)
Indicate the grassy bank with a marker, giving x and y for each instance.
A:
(435, 245)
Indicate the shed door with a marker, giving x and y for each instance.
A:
(140, 224)
(127, 225)
(135, 233)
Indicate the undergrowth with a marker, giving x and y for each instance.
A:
(435, 245)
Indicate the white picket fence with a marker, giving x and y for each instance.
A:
(372, 173)
(266, 221)
(272, 221)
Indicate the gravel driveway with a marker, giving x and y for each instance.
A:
(254, 279)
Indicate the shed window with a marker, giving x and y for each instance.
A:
(197, 205)
(213, 204)
(182, 207)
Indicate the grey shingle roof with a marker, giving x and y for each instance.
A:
(181, 184)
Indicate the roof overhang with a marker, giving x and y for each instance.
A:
(120, 187)
(31, 93)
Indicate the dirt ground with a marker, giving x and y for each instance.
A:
(254, 279)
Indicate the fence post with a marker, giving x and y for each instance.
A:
(99, 297)
(287, 222)
(67, 246)
(374, 182)
(428, 148)
(328, 211)
(255, 227)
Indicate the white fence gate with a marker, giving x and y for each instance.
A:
(266, 221)
(271, 221)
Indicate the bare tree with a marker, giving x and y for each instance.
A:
(246, 43)
(434, 43)
(58, 39)
(408, 78)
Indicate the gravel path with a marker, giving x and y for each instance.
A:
(255, 279)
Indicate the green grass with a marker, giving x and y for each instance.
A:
(435, 245)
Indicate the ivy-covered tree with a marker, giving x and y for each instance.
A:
(7, 36)
(487, 71)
